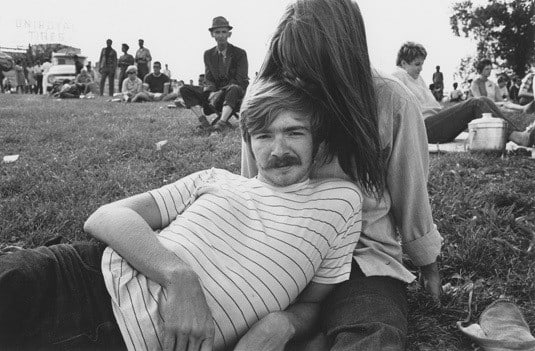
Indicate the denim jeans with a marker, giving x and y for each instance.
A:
(54, 298)
(444, 126)
(366, 314)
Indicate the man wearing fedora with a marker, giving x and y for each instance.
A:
(226, 79)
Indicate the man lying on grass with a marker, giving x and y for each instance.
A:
(197, 263)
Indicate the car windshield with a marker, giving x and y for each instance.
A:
(65, 60)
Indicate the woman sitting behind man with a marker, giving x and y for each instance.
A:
(444, 124)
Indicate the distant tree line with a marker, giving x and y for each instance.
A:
(503, 29)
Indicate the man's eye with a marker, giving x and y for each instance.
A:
(261, 136)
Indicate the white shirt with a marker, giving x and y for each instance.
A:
(253, 246)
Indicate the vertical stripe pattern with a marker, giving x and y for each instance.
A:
(254, 247)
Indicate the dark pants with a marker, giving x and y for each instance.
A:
(110, 73)
(524, 100)
(122, 77)
(54, 298)
(444, 126)
(230, 95)
(142, 70)
(39, 79)
(366, 314)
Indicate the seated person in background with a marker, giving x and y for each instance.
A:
(225, 80)
(8, 86)
(482, 85)
(232, 252)
(514, 89)
(84, 82)
(525, 92)
(503, 79)
(68, 90)
(132, 85)
(155, 84)
(445, 124)
(456, 94)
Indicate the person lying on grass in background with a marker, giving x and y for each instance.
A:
(444, 124)
(231, 251)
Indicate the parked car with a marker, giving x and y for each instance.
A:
(62, 68)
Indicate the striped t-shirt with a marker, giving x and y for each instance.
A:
(254, 247)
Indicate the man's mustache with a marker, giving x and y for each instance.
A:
(284, 161)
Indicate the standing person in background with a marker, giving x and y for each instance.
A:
(438, 81)
(107, 67)
(38, 73)
(143, 59)
(166, 71)
(32, 83)
(21, 79)
(77, 65)
(125, 61)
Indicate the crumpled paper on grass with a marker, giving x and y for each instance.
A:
(10, 158)
(501, 327)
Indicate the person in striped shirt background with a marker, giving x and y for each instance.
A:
(198, 263)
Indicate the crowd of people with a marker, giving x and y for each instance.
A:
(332, 191)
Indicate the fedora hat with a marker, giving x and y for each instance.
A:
(220, 22)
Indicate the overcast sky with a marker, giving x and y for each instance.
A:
(176, 31)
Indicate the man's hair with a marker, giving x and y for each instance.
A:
(409, 52)
(480, 66)
(319, 47)
(157, 63)
(265, 100)
(503, 78)
(455, 85)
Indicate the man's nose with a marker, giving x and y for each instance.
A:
(279, 146)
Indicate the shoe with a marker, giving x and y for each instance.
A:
(179, 103)
(204, 121)
(222, 125)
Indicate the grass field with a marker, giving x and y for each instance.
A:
(78, 154)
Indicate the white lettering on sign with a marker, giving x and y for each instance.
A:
(44, 31)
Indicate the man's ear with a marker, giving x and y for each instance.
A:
(229, 34)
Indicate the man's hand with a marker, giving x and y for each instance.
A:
(431, 280)
(188, 320)
(271, 333)
(212, 98)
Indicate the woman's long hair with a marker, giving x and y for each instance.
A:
(320, 47)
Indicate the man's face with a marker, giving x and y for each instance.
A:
(414, 67)
(157, 68)
(141, 42)
(108, 43)
(221, 35)
(283, 151)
